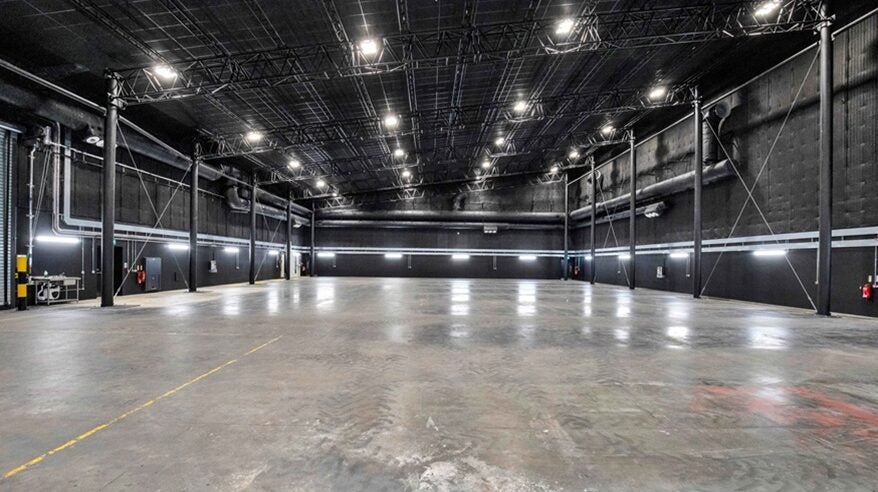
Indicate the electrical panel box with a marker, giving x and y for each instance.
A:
(153, 267)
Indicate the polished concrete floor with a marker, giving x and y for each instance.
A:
(428, 384)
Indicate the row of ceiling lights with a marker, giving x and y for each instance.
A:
(370, 47)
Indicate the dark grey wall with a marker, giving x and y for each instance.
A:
(786, 191)
(371, 265)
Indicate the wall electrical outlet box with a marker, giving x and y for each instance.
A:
(660, 272)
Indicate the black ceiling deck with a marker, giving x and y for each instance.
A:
(451, 108)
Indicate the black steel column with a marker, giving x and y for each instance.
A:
(699, 171)
(108, 219)
(252, 229)
(193, 218)
(824, 258)
(632, 214)
(594, 213)
(313, 246)
(288, 267)
(566, 227)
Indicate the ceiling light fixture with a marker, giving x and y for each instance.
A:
(499, 141)
(658, 93)
(574, 154)
(164, 72)
(398, 153)
(608, 129)
(555, 169)
(486, 164)
(565, 26)
(253, 136)
(334, 193)
(520, 107)
(321, 183)
(767, 8)
(368, 47)
(295, 164)
(406, 174)
(391, 121)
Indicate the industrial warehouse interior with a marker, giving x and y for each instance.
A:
(438, 245)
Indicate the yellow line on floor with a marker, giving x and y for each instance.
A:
(129, 413)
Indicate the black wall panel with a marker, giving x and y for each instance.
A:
(441, 266)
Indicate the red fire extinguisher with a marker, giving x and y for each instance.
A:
(867, 290)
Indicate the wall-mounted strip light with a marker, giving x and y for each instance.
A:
(679, 255)
(326, 254)
(273, 252)
(393, 256)
(230, 249)
(459, 257)
(587, 257)
(769, 252)
(528, 257)
(178, 247)
(624, 256)
(58, 239)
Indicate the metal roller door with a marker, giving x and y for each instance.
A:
(6, 264)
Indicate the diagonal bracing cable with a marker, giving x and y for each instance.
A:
(270, 239)
(151, 204)
(160, 216)
(750, 189)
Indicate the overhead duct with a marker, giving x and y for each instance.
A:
(443, 216)
(413, 224)
(87, 114)
(242, 205)
(711, 126)
(677, 184)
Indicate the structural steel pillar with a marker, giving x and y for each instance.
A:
(824, 248)
(594, 213)
(252, 229)
(632, 221)
(288, 268)
(566, 227)
(193, 218)
(699, 171)
(313, 236)
(108, 212)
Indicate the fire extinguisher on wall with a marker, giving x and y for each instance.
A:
(866, 289)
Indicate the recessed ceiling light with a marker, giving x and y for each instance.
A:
(253, 136)
(391, 121)
(368, 47)
(565, 26)
(499, 141)
(520, 107)
(295, 164)
(574, 154)
(658, 93)
(767, 8)
(406, 174)
(398, 153)
(486, 164)
(164, 72)
(608, 129)
(321, 183)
